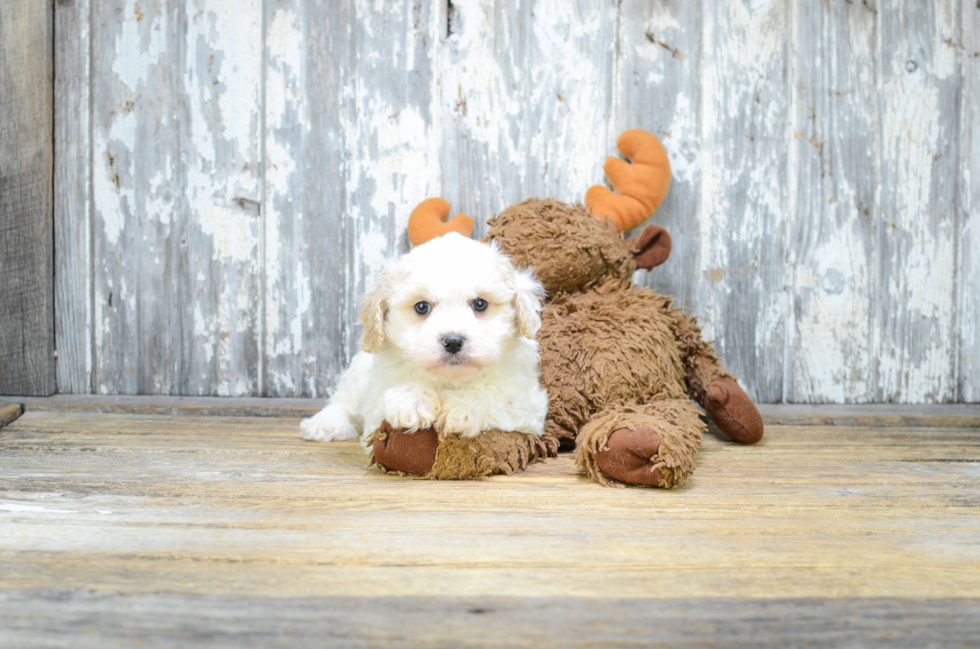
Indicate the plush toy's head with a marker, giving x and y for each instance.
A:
(570, 249)
(572, 246)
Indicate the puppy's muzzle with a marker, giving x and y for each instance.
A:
(453, 343)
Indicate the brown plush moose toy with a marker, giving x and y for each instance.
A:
(621, 364)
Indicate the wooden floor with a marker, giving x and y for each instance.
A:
(232, 531)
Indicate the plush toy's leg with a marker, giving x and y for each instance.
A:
(651, 445)
(435, 456)
(713, 388)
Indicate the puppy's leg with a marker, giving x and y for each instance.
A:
(411, 406)
(518, 406)
(464, 414)
(339, 419)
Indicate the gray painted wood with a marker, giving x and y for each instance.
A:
(657, 89)
(526, 102)
(176, 191)
(968, 237)
(745, 106)
(72, 195)
(253, 165)
(831, 249)
(219, 117)
(483, 100)
(391, 143)
(137, 194)
(918, 87)
(305, 311)
(26, 198)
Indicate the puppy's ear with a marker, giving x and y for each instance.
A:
(527, 302)
(373, 312)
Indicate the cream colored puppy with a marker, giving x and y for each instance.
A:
(448, 341)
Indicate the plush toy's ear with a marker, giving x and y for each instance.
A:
(373, 312)
(429, 220)
(527, 302)
(651, 248)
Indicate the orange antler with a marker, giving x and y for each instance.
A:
(428, 221)
(642, 185)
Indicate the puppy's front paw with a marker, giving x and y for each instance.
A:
(327, 426)
(465, 421)
(411, 407)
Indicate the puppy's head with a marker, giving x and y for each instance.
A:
(451, 306)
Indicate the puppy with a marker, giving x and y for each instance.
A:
(448, 342)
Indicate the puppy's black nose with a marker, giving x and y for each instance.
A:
(453, 343)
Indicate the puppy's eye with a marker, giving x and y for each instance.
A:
(423, 308)
(479, 304)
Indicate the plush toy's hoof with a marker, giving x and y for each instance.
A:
(628, 454)
(413, 453)
(733, 411)
(645, 445)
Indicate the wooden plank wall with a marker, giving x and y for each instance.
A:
(27, 362)
(230, 173)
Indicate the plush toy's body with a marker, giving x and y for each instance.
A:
(621, 364)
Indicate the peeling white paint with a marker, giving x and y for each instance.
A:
(914, 355)
(519, 103)
(222, 87)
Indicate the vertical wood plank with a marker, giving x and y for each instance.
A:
(657, 89)
(391, 136)
(918, 92)
(744, 197)
(834, 153)
(483, 100)
(968, 273)
(220, 209)
(306, 96)
(135, 193)
(26, 198)
(176, 196)
(569, 61)
(527, 101)
(72, 199)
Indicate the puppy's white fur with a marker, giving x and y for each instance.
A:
(405, 374)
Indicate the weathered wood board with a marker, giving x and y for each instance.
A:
(211, 529)
(73, 288)
(247, 167)
(968, 213)
(832, 249)
(26, 198)
(918, 87)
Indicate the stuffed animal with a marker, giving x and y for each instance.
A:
(621, 364)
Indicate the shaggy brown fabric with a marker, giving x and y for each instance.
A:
(606, 346)
(567, 248)
(713, 387)
(701, 364)
(675, 421)
(458, 458)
